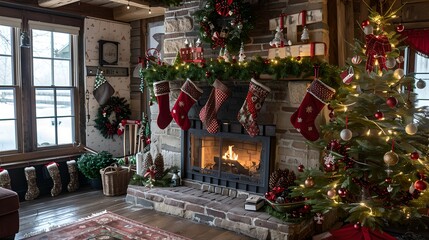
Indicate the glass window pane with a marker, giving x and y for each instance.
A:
(45, 103)
(64, 103)
(65, 130)
(7, 104)
(5, 40)
(42, 70)
(62, 45)
(62, 73)
(6, 77)
(45, 132)
(8, 135)
(422, 66)
(41, 43)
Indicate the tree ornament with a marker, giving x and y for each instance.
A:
(330, 167)
(388, 180)
(400, 28)
(301, 168)
(319, 218)
(148, 141)
(342, 192)
(398, 73)
(356, 60)
(420, 185)
(208, 74)
(365, 23)
(334, 145)
(379, 115)
(357, 225)
(309, 182)
(400, 59)
(420, 84)
(414, 155)
(369, 29)
(390, 158)
(390, 62)
(241, 55)
(346, 134)
(411, 129)
(391, 102)
(331, 193)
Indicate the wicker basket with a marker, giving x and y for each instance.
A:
(115, 180)
(285, 207)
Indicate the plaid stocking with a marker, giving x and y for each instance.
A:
(74, 179)
(248, 113)
(32, 191)
(208, 113)
(54, 172)
(315, 99)
(189, 95)
(162, 90)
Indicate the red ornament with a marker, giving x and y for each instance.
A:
(270, 196)
(298, 58)
(124, 122)
(329, 167)
(420, 185)
(307, 207)
(388, 180)
(365, 23)
(357, 225)
(334, 145)
(267, 61)
(208, 74)
(400, 28)
(414, 155)
(148, 141)
(342, 192)
(301, 168)
(379, 115)
(392, 102)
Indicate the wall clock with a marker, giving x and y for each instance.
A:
(108, 52)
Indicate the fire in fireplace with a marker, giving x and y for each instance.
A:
(232, 159)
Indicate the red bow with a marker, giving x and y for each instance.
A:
(376, 48)
(150, 172)
(217, 40)
(222, 7)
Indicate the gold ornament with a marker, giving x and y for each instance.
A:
(411, 129)
(391, 158)
(309, 182)
(331, 193)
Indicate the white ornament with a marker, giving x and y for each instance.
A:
(369, 29)
(411, 189)
(329, 159)
(346, 134)
(356, 59)
(420, 84)
(305, 36)
(319, 218)
(389, 188)
(186, 43)
(411, 129)
(278, 38)
(398, 73)
(198, 43)
(390, 63)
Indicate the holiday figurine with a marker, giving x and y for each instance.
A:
(305, 36)
(279, 39)
(241, 55)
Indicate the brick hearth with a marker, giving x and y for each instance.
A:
(220, 207)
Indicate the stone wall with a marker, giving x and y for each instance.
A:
(285, 96)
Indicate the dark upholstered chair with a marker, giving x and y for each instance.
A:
(9, 216)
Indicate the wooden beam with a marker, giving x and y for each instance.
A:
(134, 13)
(132, 4)
(55, 3)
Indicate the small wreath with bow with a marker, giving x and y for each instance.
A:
(225, 23)
(121, 110)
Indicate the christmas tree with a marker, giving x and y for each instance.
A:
(375, 144)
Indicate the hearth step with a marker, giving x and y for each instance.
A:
(218, 210)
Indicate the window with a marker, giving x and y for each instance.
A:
(421, 68)
(38, 90)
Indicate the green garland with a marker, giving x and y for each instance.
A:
(116, 105)
(235, 25)
(278, 68)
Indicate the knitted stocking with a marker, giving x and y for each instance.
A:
(208, 113)
(315, 99)
(4, 179)
(162, 90)
(32, 191)
(74, 179)
(248, 113)
(189, 95)
(54, 172)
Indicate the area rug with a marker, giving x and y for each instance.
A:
(106, 225)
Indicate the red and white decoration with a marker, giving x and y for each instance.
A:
(190, 93)
(162, 94)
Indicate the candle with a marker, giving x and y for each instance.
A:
(139, 163)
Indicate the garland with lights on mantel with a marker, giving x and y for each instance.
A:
(277, 68)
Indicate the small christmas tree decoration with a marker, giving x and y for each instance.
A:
(159, 166)
(420, 185)
(331, 193)
(356, 59)
(390, 62)
(400, 28)
(346, 134)
(391, 102)
(305, 36)
(411, 129)
(32, 189)
(398, 73)
(420, 84)
(309, 182)
(379, 115)
(390, 158)
(241, 55)
(414, 155)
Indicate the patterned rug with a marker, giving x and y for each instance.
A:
(107, 225)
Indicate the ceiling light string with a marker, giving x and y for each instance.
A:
(150, 10)
(128, 5)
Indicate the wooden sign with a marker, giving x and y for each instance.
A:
(302, 50)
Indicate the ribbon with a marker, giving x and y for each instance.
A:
(150, 172)
(217, 40)
(376, 48)
(222, 7)
(303, 14)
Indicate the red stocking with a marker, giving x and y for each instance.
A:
(162, 90)
(248, 113)
(315, 99)
(189, 95)
(208, 113)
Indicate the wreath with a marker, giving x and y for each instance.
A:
(116, 105)
(225, 23)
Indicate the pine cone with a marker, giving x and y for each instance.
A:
(159, 166)
(147, 162)
(274, 177)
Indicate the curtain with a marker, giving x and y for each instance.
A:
(418, 40)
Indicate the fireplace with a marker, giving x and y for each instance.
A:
(229, 158)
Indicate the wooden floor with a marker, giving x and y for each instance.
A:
(47, 212)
